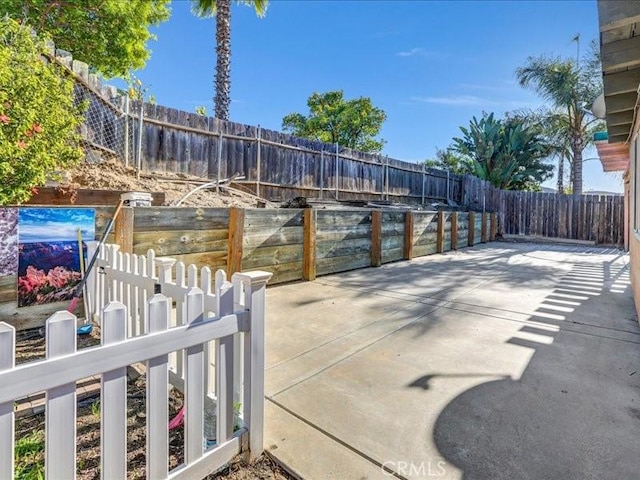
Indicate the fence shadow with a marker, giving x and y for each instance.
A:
(575, 411)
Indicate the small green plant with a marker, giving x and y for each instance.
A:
(95, 409)
(202, 111)
(29, 457)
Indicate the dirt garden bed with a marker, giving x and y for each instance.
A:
(113, 175)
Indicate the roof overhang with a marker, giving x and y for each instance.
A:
(614, 156)
(620, 55)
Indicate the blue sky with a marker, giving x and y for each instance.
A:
(55, 224)
(430, 65)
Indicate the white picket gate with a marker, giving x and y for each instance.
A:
(132, 279)
(239, 308)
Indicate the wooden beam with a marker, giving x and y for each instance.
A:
(454, 230)
(123, 229)
(616, 14)
(620, 118)
(236, 232)
(625, 102)
(484, 230)
(472, 228)
(440, 233)
(620, 54)
(408, 235)
(309, 245)
(376, 238)
(84, 196)
(494, 227)
(621, 82)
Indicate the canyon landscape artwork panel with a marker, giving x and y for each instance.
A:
(49, 252)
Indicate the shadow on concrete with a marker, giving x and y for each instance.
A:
(575, 411)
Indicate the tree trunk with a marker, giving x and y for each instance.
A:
(561, 174)
(576, 147)
(222, 98)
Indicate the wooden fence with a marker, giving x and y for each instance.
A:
(595, 218)
(236, 312)
(279, 166)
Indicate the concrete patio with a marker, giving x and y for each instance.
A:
(502, 361)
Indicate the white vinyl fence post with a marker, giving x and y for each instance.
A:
(194, 384)
(157, 395)
(7, 362)
(60, 406)
(113, 399)
(253, 403)
(224, 362)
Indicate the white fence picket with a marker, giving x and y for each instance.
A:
(113, 399)
(224, 363)
(157, 395)
(60, 406)
(194, 383)
(7, 362)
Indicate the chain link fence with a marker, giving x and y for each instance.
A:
(108, 132)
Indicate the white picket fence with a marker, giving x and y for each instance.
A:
(148, 332)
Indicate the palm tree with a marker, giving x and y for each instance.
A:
(508, 153)
(569, 87)
(222, 11)
(553, 129)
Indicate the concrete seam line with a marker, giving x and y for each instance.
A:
(364, 347)
(336, 439)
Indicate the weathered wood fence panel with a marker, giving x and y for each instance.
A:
(343, 240)
(190, 235)
(595, 218)
(425, 226)
(273, 241)
(392, 236)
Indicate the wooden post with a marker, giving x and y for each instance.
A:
(236, 231)
(408, 235)
(376, 238)
(309, 245)
(440, 234)
(124, 229)
(494, 227)
(454, 230)
(484, 232)
(472, 227)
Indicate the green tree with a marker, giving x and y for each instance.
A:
(508, 153)
(38, 119)
(221, 9)
(569, 87)
(450, 160)
(109, 35)
(332, 119)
